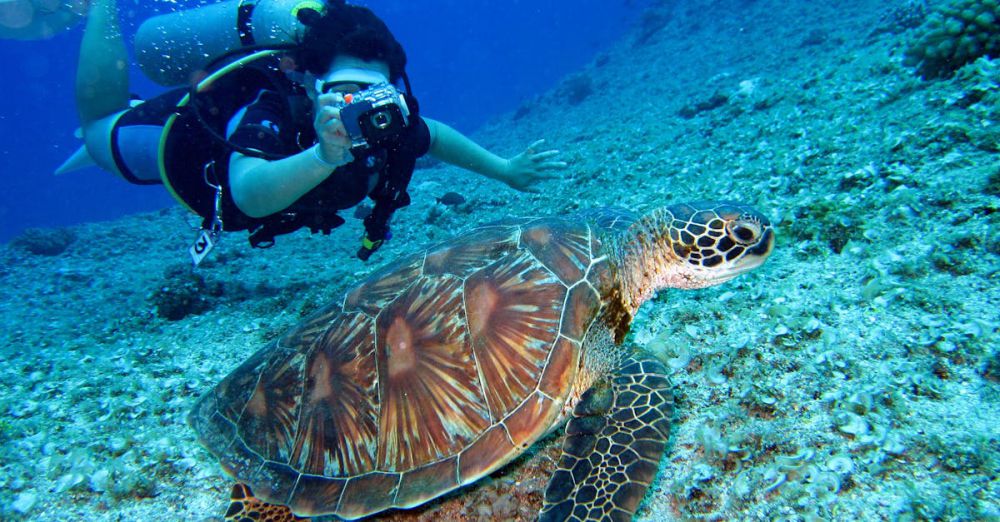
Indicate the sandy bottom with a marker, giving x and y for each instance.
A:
(853, 377)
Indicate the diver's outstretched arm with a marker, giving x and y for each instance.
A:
(102, 73)
(520, 172)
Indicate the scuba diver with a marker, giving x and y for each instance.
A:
(305, 111)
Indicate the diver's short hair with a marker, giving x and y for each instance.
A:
(353, 30)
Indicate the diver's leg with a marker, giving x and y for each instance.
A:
(102, 74)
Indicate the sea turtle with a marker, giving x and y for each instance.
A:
(445, 365)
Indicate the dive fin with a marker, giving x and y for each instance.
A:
(78, 160)
(81, 158)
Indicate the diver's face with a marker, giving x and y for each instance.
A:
(345, 61)
(350, 74)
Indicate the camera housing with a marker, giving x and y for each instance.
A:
(374, 115)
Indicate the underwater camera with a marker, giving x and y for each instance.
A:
(374, 115)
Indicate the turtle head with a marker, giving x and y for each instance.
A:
(711, 242)
(693, 245)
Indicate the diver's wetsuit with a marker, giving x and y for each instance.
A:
(269, 128)
(267, 125)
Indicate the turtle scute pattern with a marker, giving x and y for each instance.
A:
(431, 373)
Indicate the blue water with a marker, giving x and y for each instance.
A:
(468, 62)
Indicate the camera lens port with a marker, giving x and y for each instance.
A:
(381, 120)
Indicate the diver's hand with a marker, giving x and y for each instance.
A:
(334, 145)
(530, 167)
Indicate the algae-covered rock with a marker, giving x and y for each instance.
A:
(956, 33)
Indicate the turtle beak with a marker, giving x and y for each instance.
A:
(751, 258)
(746, 243)
(755, 256)
(763, 249)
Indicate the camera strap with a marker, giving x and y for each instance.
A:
(389, 195)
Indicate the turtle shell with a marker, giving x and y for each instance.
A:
(431, 373)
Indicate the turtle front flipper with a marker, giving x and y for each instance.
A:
(613, 446)
(244, 507)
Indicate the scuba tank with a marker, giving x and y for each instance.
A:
(174, 48)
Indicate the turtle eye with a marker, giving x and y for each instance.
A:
(744, 231)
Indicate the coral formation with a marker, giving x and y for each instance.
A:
(577, 88)
(652, 21)
(183, 293)
(954, 35)
(901, 17)
(44, 241)
(692, 109)
(826, 219)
